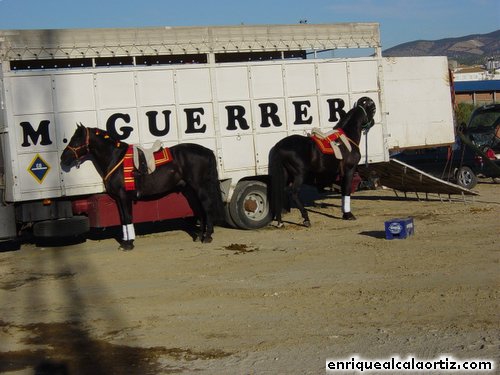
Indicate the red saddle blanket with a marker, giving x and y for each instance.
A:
(161, 157)
(324, 144)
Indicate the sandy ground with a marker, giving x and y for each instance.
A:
(269, 301)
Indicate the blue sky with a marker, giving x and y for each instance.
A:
(400, 20)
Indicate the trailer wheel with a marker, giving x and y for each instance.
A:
(249, 206)
(227, 216)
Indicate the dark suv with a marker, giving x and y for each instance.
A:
(482, 135)
(456, 163)
(476, 151)
(483, 129)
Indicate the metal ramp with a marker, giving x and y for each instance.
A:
(403, 177)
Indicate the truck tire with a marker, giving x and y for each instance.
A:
(58, 228)
(227, 215)
(466, 177)
(249, 206)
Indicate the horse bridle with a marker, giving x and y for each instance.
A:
(366, 126)
(77, 149)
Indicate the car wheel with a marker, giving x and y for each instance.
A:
(466, 178)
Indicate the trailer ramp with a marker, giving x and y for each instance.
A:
(403, 177)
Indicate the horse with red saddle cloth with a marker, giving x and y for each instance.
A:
(318, 161)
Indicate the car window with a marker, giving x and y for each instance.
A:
(483, 126)
(484, 120)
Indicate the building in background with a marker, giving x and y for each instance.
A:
(478, 85)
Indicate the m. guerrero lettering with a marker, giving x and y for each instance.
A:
(195, 120)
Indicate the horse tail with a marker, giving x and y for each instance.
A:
(214, 191)
(277, 183)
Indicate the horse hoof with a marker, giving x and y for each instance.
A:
(207, 239)
(127, 245)
(307, 223)
(348, 216)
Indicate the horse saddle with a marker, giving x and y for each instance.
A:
(142, 161)
(144, 158)
(329, 143)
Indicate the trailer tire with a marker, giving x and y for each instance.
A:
(58, 228)
(249, 206)
(227, 216)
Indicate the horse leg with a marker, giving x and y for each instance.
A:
(195, 205)
(294, 192)
(346, 195)
(208, 222)
(125, 210)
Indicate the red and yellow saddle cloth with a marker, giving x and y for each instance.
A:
(325, 143)
(162, 156)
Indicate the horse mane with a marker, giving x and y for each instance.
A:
(366, 104)
(343, 120)
(106, 137)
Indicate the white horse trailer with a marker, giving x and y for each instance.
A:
(236, 89)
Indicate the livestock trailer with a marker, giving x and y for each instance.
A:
(234, 89)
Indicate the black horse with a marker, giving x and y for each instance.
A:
(297, 160)
(192, 171)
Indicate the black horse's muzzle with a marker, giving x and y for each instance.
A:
(73, 155)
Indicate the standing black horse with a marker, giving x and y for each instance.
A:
(297, 160)
(193, 171)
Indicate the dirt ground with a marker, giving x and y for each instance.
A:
(269, 301)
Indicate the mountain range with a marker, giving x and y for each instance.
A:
(472, 49)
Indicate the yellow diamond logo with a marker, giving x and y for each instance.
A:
(39, 168)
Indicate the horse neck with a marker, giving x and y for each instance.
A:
(352, 128)
(105, 154)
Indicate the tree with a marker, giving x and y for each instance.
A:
(463, 112)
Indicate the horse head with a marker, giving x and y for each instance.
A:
(369, 108)
(77, 148)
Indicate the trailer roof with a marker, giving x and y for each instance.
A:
(78, 43)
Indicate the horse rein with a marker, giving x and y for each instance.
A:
(365, 129)
(113, 169)
(362, 127)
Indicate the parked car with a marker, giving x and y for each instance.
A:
(476, 151)
(454, 163)
(482, 134)
(483, 128)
